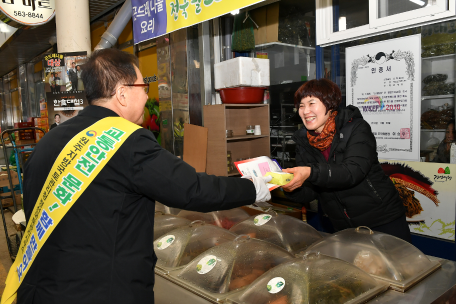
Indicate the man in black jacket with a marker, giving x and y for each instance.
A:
(102, 250)
(56, 121)
(73, 76)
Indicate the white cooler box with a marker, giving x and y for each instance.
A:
(242, 72)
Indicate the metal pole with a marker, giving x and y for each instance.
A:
(320, 73)
(205, 62)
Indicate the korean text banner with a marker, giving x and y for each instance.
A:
(154, 18)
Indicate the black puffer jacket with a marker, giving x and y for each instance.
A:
(353, 189)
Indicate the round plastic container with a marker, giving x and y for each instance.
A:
(285, 231)
(383, 256)
(180, 246)
(242, 95)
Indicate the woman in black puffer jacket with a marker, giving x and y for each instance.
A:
(337, 163)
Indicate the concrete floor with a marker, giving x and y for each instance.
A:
(5, 260)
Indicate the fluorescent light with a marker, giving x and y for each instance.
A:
(419, 2)
(235, 12)
(342, 23)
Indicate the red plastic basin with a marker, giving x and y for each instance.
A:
(242, 95)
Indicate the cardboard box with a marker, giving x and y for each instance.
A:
(42, 121)
(44, 113)
(7, 202)
(25, 134)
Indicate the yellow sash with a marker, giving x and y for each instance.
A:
(74, 169)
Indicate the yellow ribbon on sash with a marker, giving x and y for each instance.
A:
(77, 165)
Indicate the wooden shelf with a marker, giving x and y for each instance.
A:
(245, 137)
(437, 97)
(447, 56)
(219, 118)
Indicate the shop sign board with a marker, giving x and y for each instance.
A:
(430, 198)
(29, 12)
(384, 82)
(154, 18)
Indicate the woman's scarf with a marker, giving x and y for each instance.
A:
(323, 140)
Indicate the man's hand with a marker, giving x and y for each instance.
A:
(300, 174)
(262, 190)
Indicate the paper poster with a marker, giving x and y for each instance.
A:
(384, 83)
(429, 192)
(65, 94)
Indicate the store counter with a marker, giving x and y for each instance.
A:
(439, 287)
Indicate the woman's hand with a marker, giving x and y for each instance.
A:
(300, 174)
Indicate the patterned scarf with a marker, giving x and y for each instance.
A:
(323, 140)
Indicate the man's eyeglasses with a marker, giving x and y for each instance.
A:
(144, 85)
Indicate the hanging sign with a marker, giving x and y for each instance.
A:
(154, 18)
(384, 83)
(28, 12)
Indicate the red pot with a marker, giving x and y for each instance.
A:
(242, 95)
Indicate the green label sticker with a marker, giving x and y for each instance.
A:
(275, 285)
(261, 219)
(165, 242)
(206, 264)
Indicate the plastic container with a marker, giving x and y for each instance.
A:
(232, 265)
(180, 246)
(164, 223)
(242, 95)
(383, 256)
(285, 231)
(312, 279)
(224, 219)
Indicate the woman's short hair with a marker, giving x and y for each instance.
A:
(325, 90)
(104, 70)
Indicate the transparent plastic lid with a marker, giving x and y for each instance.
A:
(224, 219)
(178, 247)
(164, 223)
(165, 209)
(313, 279)
(382, 255)
(233, 265)
(285, 231)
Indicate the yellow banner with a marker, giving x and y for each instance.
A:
(75, 168)
(183, 13)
